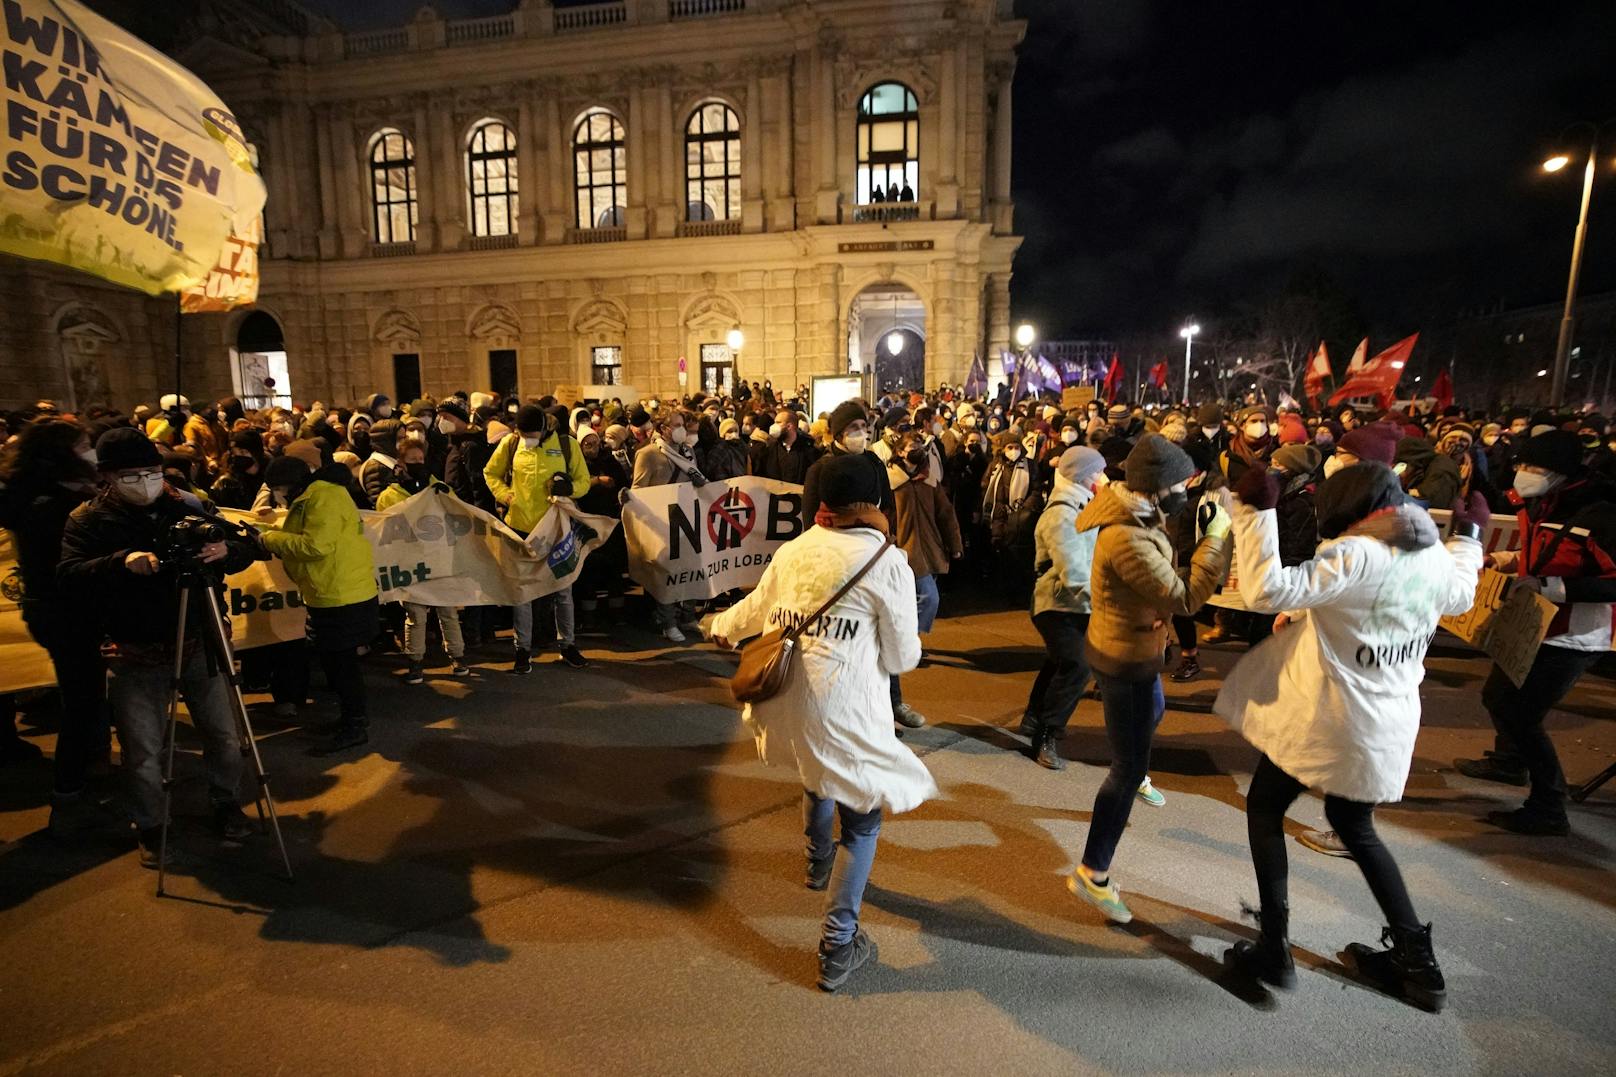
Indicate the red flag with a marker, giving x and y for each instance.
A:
(1158, 375)
(1358, 357)
(1113, 379)
(1443, 391)
(1380, 375)
(1317, 371)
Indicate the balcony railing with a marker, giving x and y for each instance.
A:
(492, 243)
(392, 250)
(698, 9)
(596, 235)
(375, 42)
(889, 211)
(590, 16)
(710, 228)
(474, 31)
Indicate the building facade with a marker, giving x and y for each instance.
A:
(591, 194)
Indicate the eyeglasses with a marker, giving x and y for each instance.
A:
(135, 478)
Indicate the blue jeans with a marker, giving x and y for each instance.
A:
(1133, 710)
(926, 601)
(852, 871)
(557, 605)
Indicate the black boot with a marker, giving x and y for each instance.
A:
(837, 963)
(1269, 958)
(1046, 751)
(1408, 969)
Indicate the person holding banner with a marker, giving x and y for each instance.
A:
(538, 462)
(827, 720)
(411, 478)
(668, 458)
(322, 544)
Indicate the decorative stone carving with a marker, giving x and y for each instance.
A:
(855, 76)
(399, 329)
(496, 323)
(600, 320)
(712, 311)
(84, 336)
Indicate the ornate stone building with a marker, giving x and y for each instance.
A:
(587, 194)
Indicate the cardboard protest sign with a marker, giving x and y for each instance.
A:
(1076, 396)
(687, 542)
(1507, 623)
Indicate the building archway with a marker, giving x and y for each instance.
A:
(258, 368)
(886, 337)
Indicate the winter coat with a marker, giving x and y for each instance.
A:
(810, 484)
(519, 477)
(462, 469)
(928, 531)
(1298, 521)
(36, 512)
(1334, 698)
(234, 491)
(725, 459)
(1428, 475)
(1135, 587)
(789, 463)
(322, 544)
(1010, 519)
(1568, 538)
(833, 717)
(601, 499)
(376, 474)
(1063, 554)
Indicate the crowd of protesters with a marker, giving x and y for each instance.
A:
(1115, 525)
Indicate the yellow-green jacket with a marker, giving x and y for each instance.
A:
(528, 492)
(396, 493)
(322, 543)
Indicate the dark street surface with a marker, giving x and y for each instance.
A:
(589, 872)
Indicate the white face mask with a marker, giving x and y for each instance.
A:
(936, 430)
(968, 422)
(1256, 431)
(1069, 436)
(445, 426)
(776, 430)
(383, 410)
(1530, 484)
(1209, 432)
(1013, 453)
(1332, 465)
(88, 456)
(854, 443)
(1489, 440)
(144, 492)
(531, 441)
(676, 436)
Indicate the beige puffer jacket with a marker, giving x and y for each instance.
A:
(1136, 589)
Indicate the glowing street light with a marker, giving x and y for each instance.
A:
(1188, 333)
(1025, 335)
(1555, 163)
(735, 338)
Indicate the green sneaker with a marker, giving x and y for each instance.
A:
(1107, 898)
(1149, 795)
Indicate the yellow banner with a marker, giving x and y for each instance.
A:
(118, 161)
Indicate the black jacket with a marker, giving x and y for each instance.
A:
(36, 513)
(789, 463)
(138, 611)
(457, 467)
(725, 459)
(810, 485)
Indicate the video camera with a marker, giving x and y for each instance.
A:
(181, 548)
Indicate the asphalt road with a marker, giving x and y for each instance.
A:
(589, 872)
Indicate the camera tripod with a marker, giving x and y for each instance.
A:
(221, 656)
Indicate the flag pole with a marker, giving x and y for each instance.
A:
(179, 352)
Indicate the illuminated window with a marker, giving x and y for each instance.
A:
(600, 170)
(606, 365)
(491, 179)
(392, 186)
(713, 164)
(888, 144)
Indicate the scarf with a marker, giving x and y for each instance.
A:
(856, 514)
(1136, 503)
(682, 464)
(1250, 452)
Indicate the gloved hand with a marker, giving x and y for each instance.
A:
(1258, 488)
(1218, 526)
(1476, 514)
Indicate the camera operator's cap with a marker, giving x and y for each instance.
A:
(125, 447)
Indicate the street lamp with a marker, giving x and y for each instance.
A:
(1562, 348)
(735, 338)
(1188, 333)
(1025, 335)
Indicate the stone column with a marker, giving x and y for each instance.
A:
(353, 184)
(1001, 159)
(825, 124)
(426, 186)
(330, 232)
(637, 150)
(946, 194)
(557, 167)
(752, 130)
(449, 175)
(670, 201)
(529, 175)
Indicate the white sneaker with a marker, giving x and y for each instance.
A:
(673, 635)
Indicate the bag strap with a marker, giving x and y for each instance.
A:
(837, 597)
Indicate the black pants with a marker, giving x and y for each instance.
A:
(81, 681)
(1518, 714)
(343, 676)
(1184, 629)
(1272, 792)
(1064, 674)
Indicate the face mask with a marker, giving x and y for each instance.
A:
(975, 446)
(1013, 453)
(383, 410)
(1332, 465)
(936, 430)
(854, 443)
(776, 430)
(1173, 502)
(1256, 431)
(416, 472)
(88, 456)
(968, 421)
(1324, 437)
(1069, 436)
(143, 492)
(531, 441)
(445, 426)
(1209, 432)
(1489, 440)
(1529, 484)
(994, 426)
(677, 436)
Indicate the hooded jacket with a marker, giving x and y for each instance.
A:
(519, 477)
(1334, 699)
(1063, 555)
(1428, 475)
(1136, 588)
(322, 543)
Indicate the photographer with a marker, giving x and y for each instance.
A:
(111, 569)
(322, 544)
(528, 468)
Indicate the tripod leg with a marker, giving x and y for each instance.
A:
(173, 730)
(1587, 789)
(219, 641)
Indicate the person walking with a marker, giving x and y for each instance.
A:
(1332, 701)
(827, 719)
(1135, 589)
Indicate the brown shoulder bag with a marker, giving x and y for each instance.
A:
(766, 660)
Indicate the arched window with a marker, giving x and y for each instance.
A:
(491, 179)
(713, 164)
(600, 170)
(392, 186)
(888, 144)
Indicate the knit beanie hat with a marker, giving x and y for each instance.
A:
(1353, 493)
(1256, 411)
(728, 427)
(617, 434)
(1174, 430)
(1377, 442)
(454, 407)
(1081, 465)
(848, 480)
(306, 450)
(1559, 451)
(1292, 431)
(1209, 415)
(1298, 459)
(384, 437)
(893, 417)
(638, 416)
(846, 414)
(1156, 464)
(1117, 413)
(125, 447)
(532, 419)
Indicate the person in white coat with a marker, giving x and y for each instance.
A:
(1333, 701)
(832, 719)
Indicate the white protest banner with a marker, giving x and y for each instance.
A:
(688, 542)
(563, 538)
(118, 161)
(23, 663)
